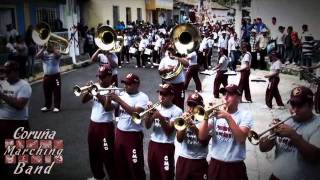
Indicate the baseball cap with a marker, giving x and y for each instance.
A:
(300, 95)
(104, 70)
(166, 89)
(195, 99)
(11, 65)
(130, 79)
(231, 89)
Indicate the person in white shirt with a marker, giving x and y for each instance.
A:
(15, 94)
(192, 163)
(169, 64)
(274, 79)
(262, 42)
(297, 141)
(273, 28)
(11, 32)
(106, 57)
(280, 41)
(193, 72)
(129, 135)
(230, 127)
(203, 51)
(142, 46)
(11, 49)
(161, 146)
(158, 48)
(233, 48)
(223, 40)
(101, 128)
(221, 68)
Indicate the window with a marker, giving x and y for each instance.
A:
(139, 14)
(115, 15)
(48, 15)
(128, 15)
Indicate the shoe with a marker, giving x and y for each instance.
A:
(56, 110)
(152, 66)
(44, 109)
(266, 107)
(280, 107)
(127, 62)
(120, 67)
(143, 66)
(136, 66)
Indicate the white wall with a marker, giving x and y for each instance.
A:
(289, 13)
(99, 11)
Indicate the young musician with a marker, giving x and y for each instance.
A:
(193, 71)
(221, 69)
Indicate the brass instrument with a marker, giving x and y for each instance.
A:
(77, 90)
(255, 138)
(107, 39)
(185, 38)
(181, 123)
(137, 117)
(199, 111)
(95, 89)
(41, 35)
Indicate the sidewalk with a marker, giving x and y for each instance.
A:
(258, 163)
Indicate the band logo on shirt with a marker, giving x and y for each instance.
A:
(223, 133)
(285, 144)
(191, 138)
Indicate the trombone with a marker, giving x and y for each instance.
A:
(200, 112)
(137, 117)
(255, 138)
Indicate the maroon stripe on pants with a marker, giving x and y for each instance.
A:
(273, 91)
(221, 78)
(52, 86)
(161, 161)
(178, 99)
(244, 84)
(129, 159)
(189, 169)
(192, 72)
(7, 129)
(219, 170)
(101, 149)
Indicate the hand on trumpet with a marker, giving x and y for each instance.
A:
(284, 130)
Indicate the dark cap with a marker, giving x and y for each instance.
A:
(166, 89)
(104, 70)
(231, 89)
(301, 95)
(130, 79)
(11, 65)
(195, 98)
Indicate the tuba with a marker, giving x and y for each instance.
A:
(41, 35)
(107, 39)
(185, 38)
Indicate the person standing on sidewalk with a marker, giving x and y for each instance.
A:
(51, 80)
(245, 72)
(221, 69)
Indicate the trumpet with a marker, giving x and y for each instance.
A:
(77, 90)
(95, 90)
(255, 138)
(137, 117)
(181, 123)
(199, 111)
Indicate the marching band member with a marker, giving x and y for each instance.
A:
(126, 44)
(192, 163)
(221, 68)
(273, 76)
(169, 64)
(230, 129)
(107, 57)
(142, 46)
(245, 72)
(14, 96)
(193, 71)
(129, 136)
(161, 146)
(51, 80)
(101, 128)
(157, 48)
(203, 51)
(298, 140)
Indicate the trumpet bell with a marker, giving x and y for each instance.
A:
(180, 124)
(199, 113)
(136, 118)
(253, 138)
(77, 90)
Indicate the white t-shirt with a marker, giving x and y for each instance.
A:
(246, 58)
(21, 89)
(192, 58)
(275, 66)
(210, 42)
(143, 44)
(165, 63)
(223, 43)
(125, 122)
(158, 135)
(98, 113)
(158, 44)
(288, 155)
(224, 146)
(203, 45)
(190, 147)
(262, 41)
(224, 63)
(11, 49)
(104, 60)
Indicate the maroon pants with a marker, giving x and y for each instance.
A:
(317, 100)
(221, 78)
(178, 99)
(101, 149)
(161, 161)
(219, 170)
(192, 72)
(128, 151)
(52, 86)
(273, 92)
(7, 129)
(244, 84)
(191, 169)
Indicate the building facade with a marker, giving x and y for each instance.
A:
(159, 11)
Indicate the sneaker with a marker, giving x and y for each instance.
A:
(266, 107)
(55, 110)
(120, 67)
(44, 109)
(136, 66)
(152, 66)
(127, 62)
(143, 66)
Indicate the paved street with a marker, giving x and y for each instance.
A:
(72, 122)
